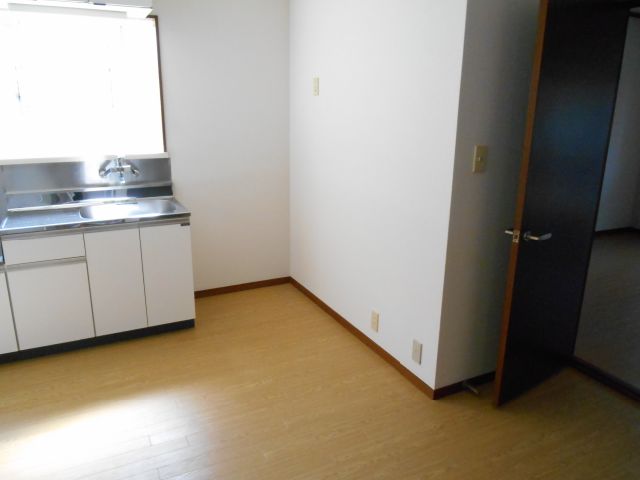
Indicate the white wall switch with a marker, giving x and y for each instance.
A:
(375, 321)
(316, 86)
(480, 158)
(416, 353)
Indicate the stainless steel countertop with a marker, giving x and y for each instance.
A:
(69, 219)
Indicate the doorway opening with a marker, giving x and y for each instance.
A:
(608, 338)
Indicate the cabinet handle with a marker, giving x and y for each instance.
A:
(46, 263)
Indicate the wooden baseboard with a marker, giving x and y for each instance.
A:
(240, 288)
(366, 340)
(431, 393)
(603, 377)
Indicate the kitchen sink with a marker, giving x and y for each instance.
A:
(140, 209)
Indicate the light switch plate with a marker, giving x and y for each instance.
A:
(316, 86)
(480, 158)
(416, 353)
(375, 321)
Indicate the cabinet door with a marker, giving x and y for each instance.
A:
(51, 303)
(115, 275)
(168, 273)
(7, 332)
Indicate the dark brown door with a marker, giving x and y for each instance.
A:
(573, 95)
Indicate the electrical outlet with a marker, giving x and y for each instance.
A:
(316, 86)
(416, 353)
(480, 158)
(375, 321)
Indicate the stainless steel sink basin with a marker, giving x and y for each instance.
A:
(140, 209)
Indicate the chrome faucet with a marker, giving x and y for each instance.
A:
(119, 166)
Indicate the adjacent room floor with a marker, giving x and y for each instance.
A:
(609, 335)
(269, 387)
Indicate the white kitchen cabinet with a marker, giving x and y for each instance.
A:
(115, 275)
(8, 342)
(51, 302)
(168, 273)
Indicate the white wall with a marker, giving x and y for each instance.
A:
(498, 58)
(225, 77)
(619, 200)
(372, 161)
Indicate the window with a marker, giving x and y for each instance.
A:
(74, 84)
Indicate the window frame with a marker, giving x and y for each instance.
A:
(162, 116)
(163, 123)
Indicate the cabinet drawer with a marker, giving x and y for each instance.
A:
(39, 249)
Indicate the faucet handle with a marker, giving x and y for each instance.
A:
(134, 171)
(104, 169)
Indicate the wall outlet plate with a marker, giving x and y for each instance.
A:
(375, 321)
(416, 353)
(480, 158)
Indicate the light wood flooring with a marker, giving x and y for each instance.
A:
(609, 333)
(269, 387)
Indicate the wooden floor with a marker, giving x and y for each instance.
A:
(609, 334)
(269, 387)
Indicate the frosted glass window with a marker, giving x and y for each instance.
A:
(75, 84)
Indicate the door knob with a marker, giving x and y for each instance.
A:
(529, 237)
